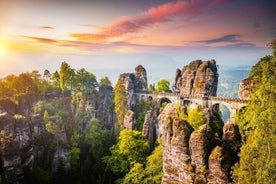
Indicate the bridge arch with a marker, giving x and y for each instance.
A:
(233, 105)
(186, 102)
(223, 109)
(162, 100)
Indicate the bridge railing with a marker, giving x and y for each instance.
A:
(194, 96)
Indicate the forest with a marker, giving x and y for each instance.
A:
(80, 138)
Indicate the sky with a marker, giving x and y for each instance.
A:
(109, 37)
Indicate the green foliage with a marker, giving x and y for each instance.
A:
(151, 87)
(152, 172)
(196, 117)
(98, 139)
(163, 86)
(257, 123)
(40, 175)
(180, 112)
(120, 101)
(25, 84)
(154, 166)
(136, 175)
(42, 106)
(74, 153)
(85, 82)
(56, 80)
(140, 110)
(66, 75)
(131, 148)
(163, 105)
(105, 81)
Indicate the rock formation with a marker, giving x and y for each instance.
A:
(197, 78)
(135, 82)
(176, 133)
(196, 156)
(129, 120)
(204, 155)
(245, 88)
(16, 144)
(104, 108)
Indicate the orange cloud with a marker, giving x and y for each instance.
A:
(161, 14)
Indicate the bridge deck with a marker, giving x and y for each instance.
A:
(187, 96)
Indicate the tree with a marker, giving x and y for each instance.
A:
(163, 86)
(140, 110)
(120, 101)
(131, 148)
(85, 82)
(151, 87)
(257, 123)
(98, 139)
(74, 153)
(105, 81)
(152, 172)
(56, 79)
(196, 117)
(66, 75)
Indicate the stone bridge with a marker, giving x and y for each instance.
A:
(233, 104)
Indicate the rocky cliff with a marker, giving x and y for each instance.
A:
(135, 82)
(203, 155)
(105, 109)
(245, 88)
(16, 140)
(196, 156)
(198, 77)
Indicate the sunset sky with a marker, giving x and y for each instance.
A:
(110, 36)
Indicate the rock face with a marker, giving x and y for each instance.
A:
(175, 133)
(196, 156)
(129, 120)
(245, 88)
(134, 82)
(23, 142)
(104, 110)
(197, 78)
(200, 143)
(16, 144)
(150, 126)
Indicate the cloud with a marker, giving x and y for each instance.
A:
(232, 38)
(161, 14)
(46, 27)
(42, 40)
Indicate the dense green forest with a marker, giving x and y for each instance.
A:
(257, 125)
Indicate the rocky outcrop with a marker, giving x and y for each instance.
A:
(104, 106)
(24, 140)
(197, 78)
(218, 166)
(200, 143)
(175, 133)
(129, 120)
(134, 82)
(245, 88)
(16, 147)
(150, 126)
(196, 156)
